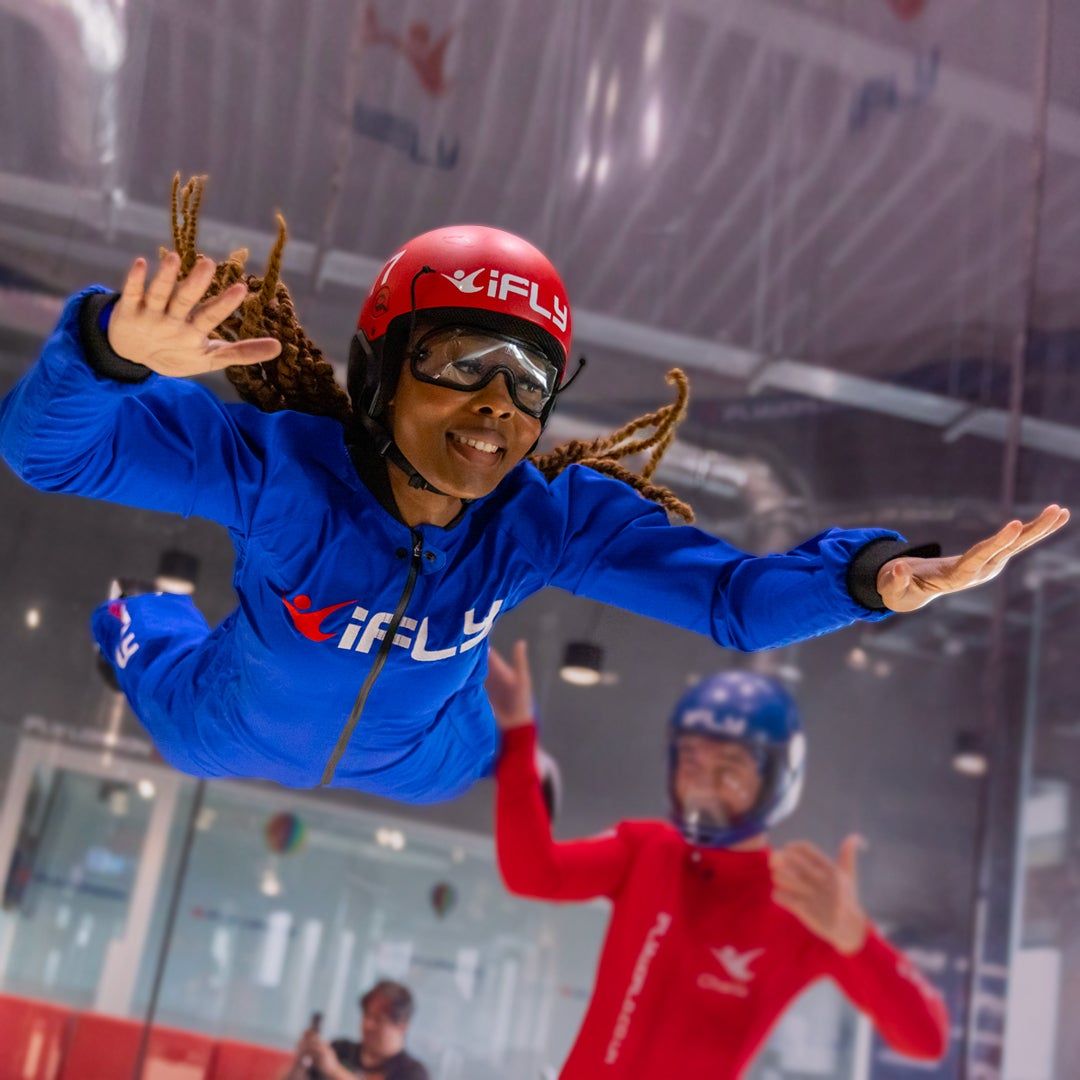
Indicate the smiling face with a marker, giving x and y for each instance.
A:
(462, 442)
(716, 778)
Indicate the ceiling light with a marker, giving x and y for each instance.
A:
(271, 883)
(789, 672)
(177, 572)
(969, 757)
(583, 163)
(611, 99)
(858, 659)
(394, 839)
(650, 129)
(583, 663)
(592, 87)
(33, 618)
(654, 44)
(146, 789)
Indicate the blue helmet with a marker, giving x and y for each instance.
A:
(759, 714)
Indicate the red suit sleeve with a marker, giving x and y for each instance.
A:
(907, 1011)
(531, 862)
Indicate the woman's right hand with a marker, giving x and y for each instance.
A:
(166, 326)
(509, 688)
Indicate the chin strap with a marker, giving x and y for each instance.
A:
(386, 448)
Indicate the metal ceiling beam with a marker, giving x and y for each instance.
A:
(113, 216)
(695, 468)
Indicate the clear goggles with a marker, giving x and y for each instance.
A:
(464, 358)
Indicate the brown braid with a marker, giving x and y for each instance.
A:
(605, 454)
(300, 379)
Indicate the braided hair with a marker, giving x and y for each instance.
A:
(605, 454)
(299, 377)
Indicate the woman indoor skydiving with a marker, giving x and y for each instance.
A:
(380, 533)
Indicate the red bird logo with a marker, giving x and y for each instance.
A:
(309, 623)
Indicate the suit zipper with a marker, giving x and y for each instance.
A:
(379, 661)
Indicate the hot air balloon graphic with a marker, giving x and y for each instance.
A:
(443, 898)
(285, 833)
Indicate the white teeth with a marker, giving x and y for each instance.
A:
(488, 448)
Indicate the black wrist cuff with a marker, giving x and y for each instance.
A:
(869, 559)
(95, 343)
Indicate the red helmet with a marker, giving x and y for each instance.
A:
(469, 274)
(483, 275)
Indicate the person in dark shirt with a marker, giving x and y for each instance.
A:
(385, 1012)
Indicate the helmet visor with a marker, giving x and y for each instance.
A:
(465, 358)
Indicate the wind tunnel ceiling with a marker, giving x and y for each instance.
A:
(807, 179)
(825, 198)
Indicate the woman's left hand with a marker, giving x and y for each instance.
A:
(908, 583)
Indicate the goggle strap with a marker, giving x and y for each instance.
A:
(425, 269)
(582, 361)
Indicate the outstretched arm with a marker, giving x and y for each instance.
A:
(104, 412)
(906, 583)
(618, 548)
(531, 862)
(823, 895)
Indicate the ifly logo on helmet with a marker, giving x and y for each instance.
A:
(501, 286)
(732, 725)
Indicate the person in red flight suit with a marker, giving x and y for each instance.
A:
(713, 932)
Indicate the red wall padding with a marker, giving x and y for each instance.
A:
(42, 1041)
(105, 1048)
(246, 1061)
(33, 1038)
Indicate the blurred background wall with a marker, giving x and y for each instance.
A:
(853, 224)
